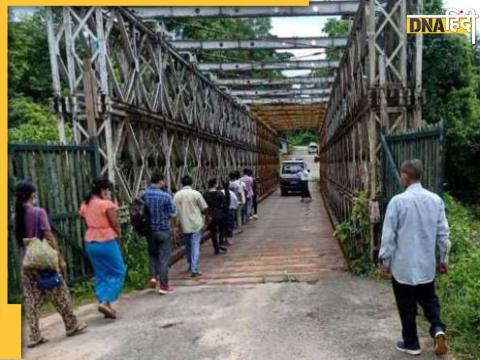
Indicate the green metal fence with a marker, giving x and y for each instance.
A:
(426, 144)
(63, 175)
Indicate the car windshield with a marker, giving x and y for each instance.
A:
(292, 168)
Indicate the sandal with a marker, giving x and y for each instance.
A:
(109, 313)
(36, 343)
(77, 329)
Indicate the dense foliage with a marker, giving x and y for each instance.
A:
(451, 73)
(459, 290)
(353, 236)
(30, 117)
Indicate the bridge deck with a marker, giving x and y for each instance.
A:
(292, 241)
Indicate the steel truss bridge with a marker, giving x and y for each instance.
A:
(150, 106)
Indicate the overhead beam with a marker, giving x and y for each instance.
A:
(288, 65)
(298, 100)
(279, 92)
(277, 43)
(316, 8)
(262, 82)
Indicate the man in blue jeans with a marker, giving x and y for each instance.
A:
(191, 207)
(160, 210)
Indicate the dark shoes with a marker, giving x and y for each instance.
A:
(408, 349)
(195, 275)
(108, 312)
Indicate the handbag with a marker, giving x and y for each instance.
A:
(39, 255)
(47, 280)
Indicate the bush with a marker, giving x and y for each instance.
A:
(135, 255)
(460, 288)
(31, 122)
(353, 236)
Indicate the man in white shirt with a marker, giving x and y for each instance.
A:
(415, 242)
(191, 208)
(304, 176)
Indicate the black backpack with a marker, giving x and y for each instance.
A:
(139, 215)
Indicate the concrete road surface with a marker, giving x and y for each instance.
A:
(280, 293)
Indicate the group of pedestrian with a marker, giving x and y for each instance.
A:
(221, 210)
(415, 243)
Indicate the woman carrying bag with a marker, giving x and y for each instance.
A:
(102, 245)
(39, 281)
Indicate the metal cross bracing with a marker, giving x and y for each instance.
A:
(297, 80)
(315, 8)
(277, 100)
(286, 65)
(146, 106)
(273, 43)
(377, 88)
(278, 92)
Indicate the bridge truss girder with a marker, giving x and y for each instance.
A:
(286, 65)
(234, 82)
(377, 88)
(273, 43)
(315, 8)
(143, 103)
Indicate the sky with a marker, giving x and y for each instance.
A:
(312, 26)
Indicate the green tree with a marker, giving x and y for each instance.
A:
(204, 29)
(451, 68)
(28, 59)
(336, 28)
(33, 122)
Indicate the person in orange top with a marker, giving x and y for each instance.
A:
(102, 244)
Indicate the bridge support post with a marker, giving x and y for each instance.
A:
(372, 92)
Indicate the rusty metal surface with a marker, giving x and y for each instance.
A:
(291, 241)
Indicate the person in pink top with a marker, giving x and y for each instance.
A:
(102, 245)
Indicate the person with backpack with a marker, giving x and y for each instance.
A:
(216, 201)
(30, 222)
(102, 244)
(160, 209)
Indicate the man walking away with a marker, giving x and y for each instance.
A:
(304, 175)
(414, 231)
(238, 188)
(230, 213)
(255, 199)
(160, 209)
(247, 182)
(216, 202)
(191, 207)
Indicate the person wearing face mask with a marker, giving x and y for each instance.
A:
(31, 221)
(415, 242)
(102, 244)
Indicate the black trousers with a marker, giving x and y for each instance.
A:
(217, 231)
(305, 190)
(407, 297)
